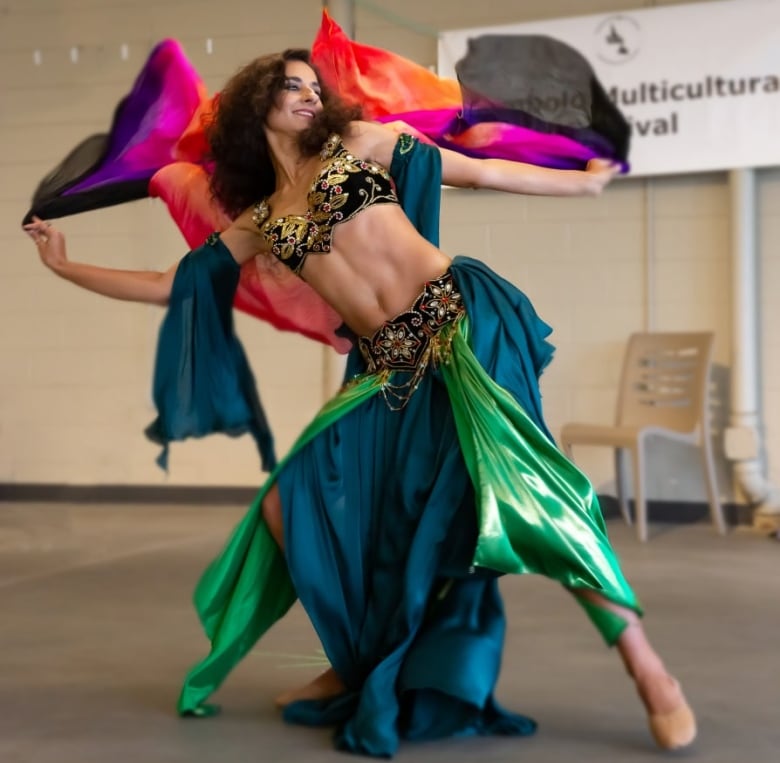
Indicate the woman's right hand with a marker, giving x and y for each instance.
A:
(50, 243)
(149, 286)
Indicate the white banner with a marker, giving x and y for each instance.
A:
(699, 83)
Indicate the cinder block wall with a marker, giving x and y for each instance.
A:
(75, 369)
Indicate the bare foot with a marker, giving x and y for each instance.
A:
(325, 685)
(671, 719)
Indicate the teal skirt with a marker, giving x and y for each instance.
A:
(397, 524)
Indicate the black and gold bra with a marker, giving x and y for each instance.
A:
(345, 186)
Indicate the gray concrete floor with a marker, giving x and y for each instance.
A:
(96, 631)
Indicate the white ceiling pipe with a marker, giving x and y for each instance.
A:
(743, 441)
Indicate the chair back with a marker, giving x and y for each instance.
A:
(665, 381)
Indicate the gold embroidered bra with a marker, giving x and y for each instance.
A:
(345, 186)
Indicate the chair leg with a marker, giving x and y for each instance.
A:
(620, 485)
(708, 464)
(640, 506)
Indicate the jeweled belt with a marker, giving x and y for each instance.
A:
(411, 340)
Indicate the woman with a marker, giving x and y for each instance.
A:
(432, 472)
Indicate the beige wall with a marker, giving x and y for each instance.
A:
(75, 369)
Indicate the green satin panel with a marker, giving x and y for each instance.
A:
(247, 588)
(537, 512)
(609, 624)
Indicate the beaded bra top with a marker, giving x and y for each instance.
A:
(345, 186)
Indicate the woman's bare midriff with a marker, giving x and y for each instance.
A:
(377, 266)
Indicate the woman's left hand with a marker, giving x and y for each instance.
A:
(600, 172)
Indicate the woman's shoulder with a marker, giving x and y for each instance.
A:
(371, 141)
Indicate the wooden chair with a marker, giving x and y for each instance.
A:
(664, 392)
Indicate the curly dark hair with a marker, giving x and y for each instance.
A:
(242, 172)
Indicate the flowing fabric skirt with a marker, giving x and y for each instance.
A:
(397, 524)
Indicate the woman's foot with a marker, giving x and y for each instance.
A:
(325, 685)
(672, 722)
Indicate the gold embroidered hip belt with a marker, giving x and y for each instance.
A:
(411, 340)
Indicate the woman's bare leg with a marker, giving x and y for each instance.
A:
(672, 722)
(272, 514)
(327, 684)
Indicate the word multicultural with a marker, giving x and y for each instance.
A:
(709, 87)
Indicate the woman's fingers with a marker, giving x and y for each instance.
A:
(38, 230)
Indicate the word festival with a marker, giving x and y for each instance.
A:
(668, 125)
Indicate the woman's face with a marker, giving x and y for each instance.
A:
(299, 100)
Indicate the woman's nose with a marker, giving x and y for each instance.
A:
(310, 94)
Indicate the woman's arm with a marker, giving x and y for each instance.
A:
(153, 287)
(377, 142)
(516, 177)
(133, 285)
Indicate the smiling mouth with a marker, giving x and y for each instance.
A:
(305, 113)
